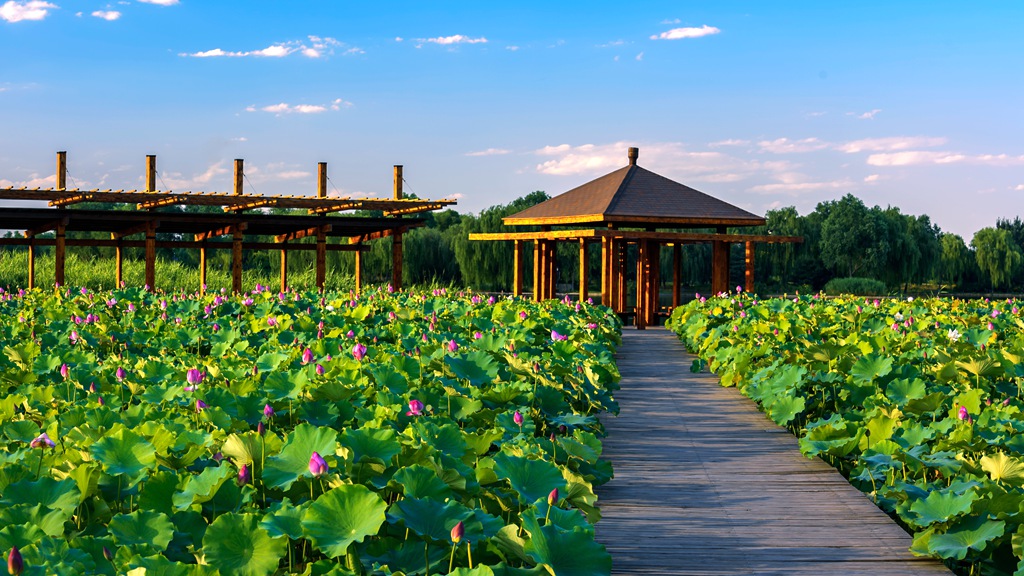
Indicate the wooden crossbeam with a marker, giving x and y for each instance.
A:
(68, 200)
(161, 202)
(251, 205)
(53, 225)
(351, 205)
(133, 230)
(382, 234)
(414, 209)
(302, 233)
(225, 231)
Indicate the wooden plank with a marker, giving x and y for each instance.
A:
(202, 268)
(359, 273)
(321, 259)
(62, 170)
(536, 270)
(677, 274)
(299, 234)
(150, 172)
(225, 231)
(182, 244)
(706, 484)
(284, 270)
(31, 262)
(239, 175)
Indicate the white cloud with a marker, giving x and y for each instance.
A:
(612, 44)
(640, 57)
(240, 139)
(314, 47)
(730, 142)
(670, 22)
(273, 51)
(512, 48)
(795, 188)
(787, 146)
(1019, 188)
(398, 38)
(160, 2)
(13, 11)
(285, 108)
(891, 144)
(34, 181)
(918, 157)
(690, 32)
(488, 152)
(869, 115)
(108, 15)
(872, 178)
(456, 39)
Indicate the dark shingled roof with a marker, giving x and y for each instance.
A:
(635, 196)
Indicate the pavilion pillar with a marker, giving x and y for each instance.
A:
(677, 274)
(359, 271)
(321, 260)
(748, 275)
(517, 268)
(31, 261)
(202, 268)
(653, 282)
(537, 262)
(605, 271)
(584, 269)
(396, 237)
(642, 284)
(59, 255)
(620, 284)
(284, 267)
(151, 255)
(236, 260)
(552, 260)
(719, 266)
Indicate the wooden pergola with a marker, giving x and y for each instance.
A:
(243, 215)
(627, 208)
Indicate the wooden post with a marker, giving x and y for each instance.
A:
(719, 266)
(642, 290)
(31, 262)
(748, 275)
(653, 282)
(284, 267)
(62, 170)
(359, 272)
(605, 271)
(202, 268)
(536, 269)
(151, 255)
(552, 261)
(150, 172)
(517, 268)
(239, 174)
(677, 274)
(584, 269)
(118, 260)
(396, 237)
(321, 180)
(321, 260)
(59, 254)
(621, 261)
(236, 260)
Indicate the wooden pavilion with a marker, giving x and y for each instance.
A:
(243, 216)
(631, 206)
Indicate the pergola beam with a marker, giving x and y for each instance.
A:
(69, 200)
(225, 231)
(299, 234)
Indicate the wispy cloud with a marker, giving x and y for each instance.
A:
(796, 188)
(689, 32)
(285, 108)
(612, 44)
(869, 115)
(13, 11)
(787, 146)
(730, 142)
(670, 22)
(489, 152)
(108, 15)
(925, 157)
(312, 47)
(34, 181)
(1019, 188)
(456, 39)
(160, 2)
(891, 144)
(513, 48)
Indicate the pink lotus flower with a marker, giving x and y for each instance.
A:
(42, 441)
(317, 465)
(518, 418)
(200, 405)
(522, 315)
(477, 335)
(458, 531)
(64, 371)
(268, 411)
(320, 369)
(359, 352)
(453, 346)
(194, 377)
(271, 321)
(73, 337)
(415, 408)
(120, 374)
(962, 413)
(244, 476)
(558, 337)
(307, 356)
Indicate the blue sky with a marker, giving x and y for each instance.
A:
(912, 104)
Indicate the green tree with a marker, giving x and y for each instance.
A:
(999, 258)
(955, 260)
(849, 238)
(488, 265)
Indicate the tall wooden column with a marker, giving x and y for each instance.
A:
(31, 261)
(236, 260)
(321, 260)
(150, 172)
(396, 237)
(62, 170)
(321, 180)
(584, 269)
(537, 265)
(606, 269)
(151, 255)
(284, 267)
(359, 272)
(239, 175)
(552, 260)
(719, 266)
(653, 282)
(59, 255)
(621, 262)
(202, 268)
(119, 260)
(748, 275)
(677, 274)
(517, 268)
(642, 285)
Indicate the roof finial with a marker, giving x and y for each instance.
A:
(633, 154)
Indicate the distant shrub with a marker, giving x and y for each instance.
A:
(855, 286)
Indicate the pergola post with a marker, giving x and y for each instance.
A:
(236, 260)
(321, 260)
(396, 237)
(151, 255)
(239, 174)
(584, 269)
(202, 268)
(119, 260)
(31, 261)
(284, 267)
(59, 255)
(719, 266)
(517, 268)
(606, 270)
(677, 274)
(62, 170)
(748, 275)
(150, 172)
(359, 271)
(552, 259)
(536, 270)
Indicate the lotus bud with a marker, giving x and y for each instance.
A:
(64, 371)
(307, 356)
(317, 465)
(518, 418)
(261, 429)
(244, 476)
(15, 564)
(100, 401)
(92, 388)
(553, 497)
(194, 377)
(200, 405)
(458, 531)
(415, 408)
(453, 346)
(962, 413)
(120, 374)
(42, 441)
(108, 554)
(359, 352)
(320, 369)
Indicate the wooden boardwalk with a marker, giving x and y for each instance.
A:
(706, 484)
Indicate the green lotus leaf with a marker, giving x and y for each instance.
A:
(21, 430)
(142, 527)
(418, 481)
(20, 535)
(429, 518)
(281, 386)
(284, 519)
(510, 542)
(237, 545)
(905, 390)
(58, 558)
(477, 571)
(1003, 468)
(374, 443)
(124, 453)
(476, 367)
(410, 555)
(270, 361)
(532, 479)
(341, 516)
(941, 506)
(51, 522)
(293, 461)
(159, 492)
(870, 367)
(971, 534)
(786, 408)
(202, 487)
(446, 438)
(564, 553)
(60, 495)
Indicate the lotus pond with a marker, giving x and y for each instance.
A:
(302, 433)
(918, 402)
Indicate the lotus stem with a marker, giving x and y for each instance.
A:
(451, 558)
(469, 552)
(426, 558)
